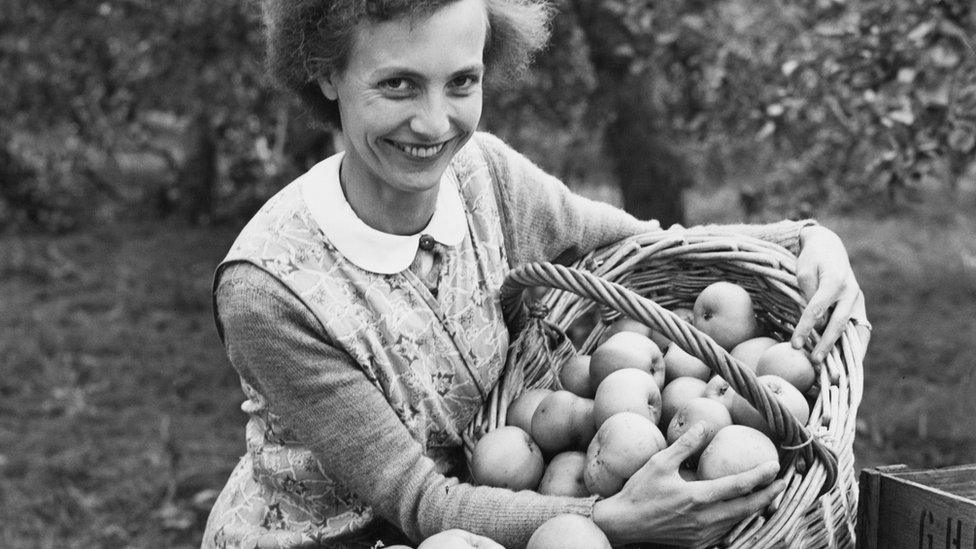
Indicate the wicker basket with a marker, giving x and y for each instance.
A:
(642, 277)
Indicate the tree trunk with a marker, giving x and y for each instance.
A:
(197, 177)
(651, 174)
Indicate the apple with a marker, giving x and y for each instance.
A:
(564, 476)
(676, 394)
(735, 449)
(627, 390)
(563, 421)
(627, 324)
(749, 351)
(523, 406)
(718, 389)
(724, 312)
(622, 445)
(626, 350)
(507, 458)
(712, 413)
(788, 363)
(568, 531)
(678, 363)
(744, 413)
(685, 314)
(575, 376)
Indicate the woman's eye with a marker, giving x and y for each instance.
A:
(464, 82)
(395, 84)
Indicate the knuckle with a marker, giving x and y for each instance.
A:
(701, 497)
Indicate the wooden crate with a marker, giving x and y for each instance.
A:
(917, 508)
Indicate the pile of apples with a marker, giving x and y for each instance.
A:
(629, 400)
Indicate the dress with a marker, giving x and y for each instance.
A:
(434, 358)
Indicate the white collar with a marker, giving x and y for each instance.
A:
(365, 246)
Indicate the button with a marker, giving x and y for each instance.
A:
(426, 242)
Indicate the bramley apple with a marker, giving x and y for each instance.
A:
(701, 409)
(723, 311)
(569, 531)
(626, 350)
(575, 376)
(626, 324)
(563, 421)
(564, 475)
(735, 449)
(788, 363)
(719, 390)
(523, 406)
(507, 458)
(749, 351)
(678, 363)
(744, 413)
(622, 445)
(676, 394)
(627, 390)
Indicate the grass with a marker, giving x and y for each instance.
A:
(118, 410)
(119, 414)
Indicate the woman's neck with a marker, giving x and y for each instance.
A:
(389, 210)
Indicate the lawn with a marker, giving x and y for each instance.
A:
(119, 414)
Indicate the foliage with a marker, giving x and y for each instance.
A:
(798, 104)
(841, 101)
(101, 82)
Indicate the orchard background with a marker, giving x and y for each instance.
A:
(136, 137)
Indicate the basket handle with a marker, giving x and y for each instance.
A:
(790, 433)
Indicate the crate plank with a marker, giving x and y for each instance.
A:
(925, 509)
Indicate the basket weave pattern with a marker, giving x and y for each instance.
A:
(644, 276)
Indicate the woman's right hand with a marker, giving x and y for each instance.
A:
(656, 505)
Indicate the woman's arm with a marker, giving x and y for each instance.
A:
(277, 346)
(548, 222)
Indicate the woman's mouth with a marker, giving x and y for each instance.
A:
(419, 151)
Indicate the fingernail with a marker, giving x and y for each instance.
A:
(797, 343)
(819, 356)
(699, 429)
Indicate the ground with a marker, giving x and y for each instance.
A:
(119, 414)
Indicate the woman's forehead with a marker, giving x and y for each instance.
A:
(453, 35)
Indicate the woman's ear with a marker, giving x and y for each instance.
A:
(328, 87)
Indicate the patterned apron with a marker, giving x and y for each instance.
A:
(434, 360)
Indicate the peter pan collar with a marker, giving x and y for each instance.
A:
(364, 246)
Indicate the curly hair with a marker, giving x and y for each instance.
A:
(310, 38)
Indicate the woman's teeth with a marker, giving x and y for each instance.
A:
(419, 151)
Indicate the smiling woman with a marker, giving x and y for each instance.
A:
(360, 305)
(407, 106)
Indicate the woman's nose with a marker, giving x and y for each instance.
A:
(432, 119)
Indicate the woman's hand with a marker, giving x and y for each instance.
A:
(657, 505)
(826, 280)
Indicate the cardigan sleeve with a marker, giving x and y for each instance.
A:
(278, 346)
(545, 221)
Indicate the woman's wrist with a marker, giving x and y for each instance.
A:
(609, 518)
(810, 229)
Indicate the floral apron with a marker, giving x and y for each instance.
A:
(434, 358)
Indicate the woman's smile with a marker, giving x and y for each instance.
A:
(418, 151)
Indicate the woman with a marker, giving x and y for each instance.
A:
(360, 305)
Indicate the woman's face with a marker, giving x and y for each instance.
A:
(410, 98)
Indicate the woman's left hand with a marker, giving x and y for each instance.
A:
(826, 280)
